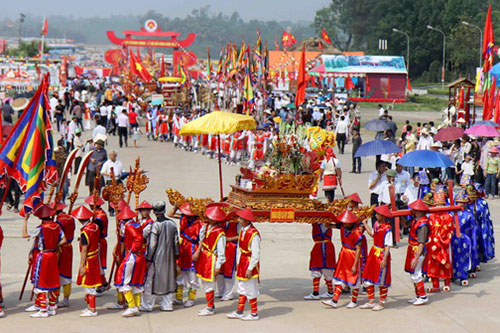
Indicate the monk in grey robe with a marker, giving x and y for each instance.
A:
(161, 255)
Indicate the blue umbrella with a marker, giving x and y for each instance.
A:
(426, 159)
(377, 147)
(486, 122)
(377, 125)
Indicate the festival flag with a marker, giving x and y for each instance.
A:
(325, 36)
(368, 87)
(182, 74)
(239, 62)
(288, 39)
(248, 100)
(219, 66)
(258, 46)
(27, 156)
(320, 45)
(300, 96)
(496, 112)
(162, 70)
(409, 85)
(488, 43)
(137, 68)
(45, 27)
(209, 64)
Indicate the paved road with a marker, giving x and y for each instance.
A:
(285, 275)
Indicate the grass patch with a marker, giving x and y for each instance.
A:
(438, 91)
(415, 103)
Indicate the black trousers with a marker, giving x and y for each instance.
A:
(341, 138)
(330, 195)
(78, 160)
(123, 136)
(356, 164)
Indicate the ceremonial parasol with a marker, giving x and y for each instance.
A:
(449, 134)
(426, 159)
(215, 123)
(482, 130)
(377, 147)
(487, 122)
(377, 125)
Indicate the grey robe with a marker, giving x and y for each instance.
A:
(163, 249)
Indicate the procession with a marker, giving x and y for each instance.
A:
(296, 179)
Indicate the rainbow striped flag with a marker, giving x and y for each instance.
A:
(248, 100)
(27, 155)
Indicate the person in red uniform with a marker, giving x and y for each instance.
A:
(2, 313)
(322, 260)
(189, 229)
(210, 256)
(48, 237)
(247, 271)
(118, 254)
(101, 219)
(258, 148)
(415, 255)
(348, 268)
(67, 224)
(437, 263)
(131, 274)
(378, 264)
(225, 280)
(353, 204)
(89, 276)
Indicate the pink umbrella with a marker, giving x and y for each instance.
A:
(482, 130)
(449, 134)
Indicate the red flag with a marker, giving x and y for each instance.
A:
(496, 112)
(45, 27)
(320, 46)
(367, 85)
(300, 96)
(409, 85)
(348, 84)
(488, 43)
(488, 100)
(137, 68)
(325, 37)
(162, 71)
(288, 39)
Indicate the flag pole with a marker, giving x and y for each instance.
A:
(220, 168)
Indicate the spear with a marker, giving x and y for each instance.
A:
(81, 171)
(63, 176)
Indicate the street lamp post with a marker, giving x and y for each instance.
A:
(444, 53)
(480, 41)
(407, 48)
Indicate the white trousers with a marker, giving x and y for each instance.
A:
(225, 286)
(129, 269)
(188, 279)
(327, 273)
(249, 288)
(416, 277)
(207, 286)
(148, 299)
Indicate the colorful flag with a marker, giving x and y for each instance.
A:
(288, 39)
(45, 27)
(325, 36)
(182, 74)
(300, 96)
(248, 100)
(162, 70)
(258, 46)
(488, 43)
(209, 64)
(496, 109)
(137, 68)
(27, 156)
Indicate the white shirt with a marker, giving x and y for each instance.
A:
(402, 181)
(117, 168)
(425, 143)
(384, 195)
(381, 112)
(103, 110)
(411, 193)
(342, 127)
(122, 120)
(378, 187)
(468, 168)
(99, 129)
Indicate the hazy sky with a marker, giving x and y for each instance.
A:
(248, 9)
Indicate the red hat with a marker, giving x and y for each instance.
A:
(329, 150)
(144, 205)
(126, 214)
(215, 213)
(419, 205)
(383, 210)
(121, 205)
(355, 197)
(186, 209)
(347, 217)
(60, 206)
(82, 213)
(90, 201)
(44, 211)
(246, 214)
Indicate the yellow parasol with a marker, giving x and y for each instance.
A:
(218, 122)
(215, 123)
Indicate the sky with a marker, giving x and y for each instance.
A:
(295, 10)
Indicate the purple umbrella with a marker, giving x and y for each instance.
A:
(449, 134)
(482, 130)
